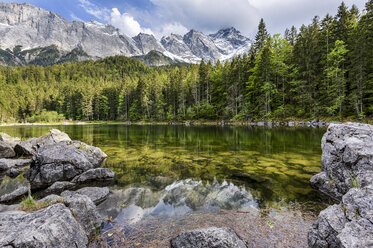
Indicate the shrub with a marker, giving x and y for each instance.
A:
(46, 116)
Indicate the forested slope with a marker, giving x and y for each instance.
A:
(324, 69)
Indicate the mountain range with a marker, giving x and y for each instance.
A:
(32, 35)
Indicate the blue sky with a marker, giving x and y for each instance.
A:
(162, 17)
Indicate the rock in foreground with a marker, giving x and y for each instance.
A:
(30, 146)
(94, 175)
(71, 222)
(60, 162)
(6, 164)
(15, 195)
(347, 175)
(96, 194)
(54, 226)
(349, 224)
(347, 159)
(6, 151)
(208, 238)
(85, 212)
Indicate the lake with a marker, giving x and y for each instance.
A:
(170, 178)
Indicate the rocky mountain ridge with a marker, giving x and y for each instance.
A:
(27, 31)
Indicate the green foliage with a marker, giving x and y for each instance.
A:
(155, 58)
(270, 224)
(324, 69)
(353, 181)
(46, 116)
(28, 204)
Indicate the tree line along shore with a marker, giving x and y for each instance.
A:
(321, 70)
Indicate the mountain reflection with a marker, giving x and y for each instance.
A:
(131, 205)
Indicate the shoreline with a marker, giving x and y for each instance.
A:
(269, 123)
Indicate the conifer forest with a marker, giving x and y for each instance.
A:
(323, 69)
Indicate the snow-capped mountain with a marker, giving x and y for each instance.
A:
(230, 42)
(28, 30)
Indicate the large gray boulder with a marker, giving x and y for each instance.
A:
(94, 154)
(54, 226)
(208, 238)
(347, 159)
(12, 141)
(30, 146)
(6, 151)
(346, 225)
(62, 161)
(347, 175)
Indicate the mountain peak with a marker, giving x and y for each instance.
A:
(30, 27)
(227, 33)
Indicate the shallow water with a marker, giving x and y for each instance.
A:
(169, 172)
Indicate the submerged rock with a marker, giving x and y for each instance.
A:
(208, 238)
(30, 146)
(160, 182)
(250, 177)
(6, 151)
(54, 226)
(347, 159)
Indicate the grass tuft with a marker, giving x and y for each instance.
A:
(29, 204)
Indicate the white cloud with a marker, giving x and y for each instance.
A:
(172, 28)
(208, 15)
(94, 10)
(126, 23)
(75, 18)
(280, 15)
(179, 16)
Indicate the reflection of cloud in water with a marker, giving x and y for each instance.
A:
(132, 205)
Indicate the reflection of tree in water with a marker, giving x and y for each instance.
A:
(286, 158)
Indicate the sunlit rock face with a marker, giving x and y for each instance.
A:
(347, 174)
(133, 204)
(347, 159)
(26, 29)
(31, 27)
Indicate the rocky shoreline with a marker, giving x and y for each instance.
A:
(250, 123)
(347, 177)
(56, 165)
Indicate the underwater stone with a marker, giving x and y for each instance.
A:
(208, 238)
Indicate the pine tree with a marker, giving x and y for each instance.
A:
(261, 37)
